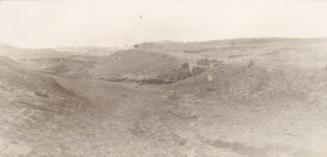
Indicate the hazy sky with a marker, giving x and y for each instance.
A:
(121, 22)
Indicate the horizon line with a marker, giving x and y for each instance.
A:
(161, 41)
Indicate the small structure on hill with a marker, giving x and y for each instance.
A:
(196, 67)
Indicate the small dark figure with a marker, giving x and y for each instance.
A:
(185, 66)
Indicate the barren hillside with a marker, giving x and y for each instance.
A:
(32, 106)
(232, 98)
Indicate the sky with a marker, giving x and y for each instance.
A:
(50, 23)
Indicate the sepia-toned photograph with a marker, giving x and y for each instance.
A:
(172, 78)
